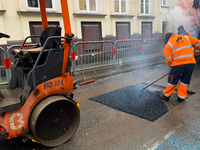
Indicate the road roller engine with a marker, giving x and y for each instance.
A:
(38, 102)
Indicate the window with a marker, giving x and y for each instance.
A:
(34, 4)
(88, 5)
(163, 2)
(120, 6)
(145, 7)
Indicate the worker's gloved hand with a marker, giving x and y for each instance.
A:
(195, 56)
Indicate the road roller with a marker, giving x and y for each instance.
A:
(38, 102)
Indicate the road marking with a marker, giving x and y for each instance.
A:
(155, 145)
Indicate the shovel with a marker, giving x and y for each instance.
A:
(153, 82)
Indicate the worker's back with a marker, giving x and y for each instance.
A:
(179, 48)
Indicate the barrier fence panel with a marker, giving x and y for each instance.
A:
(127, 49)
(153, 46)
(92, 54)
(4, 68)
(10, 58)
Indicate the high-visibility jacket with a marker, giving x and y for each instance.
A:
(184, 34)
(181, 49)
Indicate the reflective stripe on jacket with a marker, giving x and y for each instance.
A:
(181, 49)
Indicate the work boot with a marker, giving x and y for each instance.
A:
(180, 99)
(165, 98)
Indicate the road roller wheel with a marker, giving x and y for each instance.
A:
(54, 120)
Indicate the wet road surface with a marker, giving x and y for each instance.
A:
(105, 128)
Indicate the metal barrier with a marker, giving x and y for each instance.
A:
(153, 46)
(4, 80)
(92, 54)
(8, 60)
(127, 49)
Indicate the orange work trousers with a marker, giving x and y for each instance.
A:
(179, 74)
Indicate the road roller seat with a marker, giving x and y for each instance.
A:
(46, 33)
(25, 58)
(51, 31)
(29, 56)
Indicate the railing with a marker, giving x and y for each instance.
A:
(25, 46)
(95, 54)
(91, 54)
(127, 49)
(153, 46)
(4, 68)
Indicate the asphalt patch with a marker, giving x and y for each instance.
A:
(146, 104)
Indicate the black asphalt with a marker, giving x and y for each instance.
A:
(146, 104)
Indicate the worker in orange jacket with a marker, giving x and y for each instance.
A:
(179, 54)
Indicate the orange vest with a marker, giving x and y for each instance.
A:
(180, 50)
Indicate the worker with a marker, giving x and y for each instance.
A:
(182, 31)
(179, 54)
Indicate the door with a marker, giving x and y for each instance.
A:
(91, 31)
(146, 30)
(122, 30)
(164, 26)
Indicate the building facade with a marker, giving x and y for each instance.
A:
(90, 19)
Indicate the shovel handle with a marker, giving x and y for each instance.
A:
(154, 82)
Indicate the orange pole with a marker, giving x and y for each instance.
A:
(67, 28)
(43, 14)
(66, 19)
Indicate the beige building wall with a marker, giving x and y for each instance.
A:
(11, 20)
(16, 17)
(2, 24)
(164, 12)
